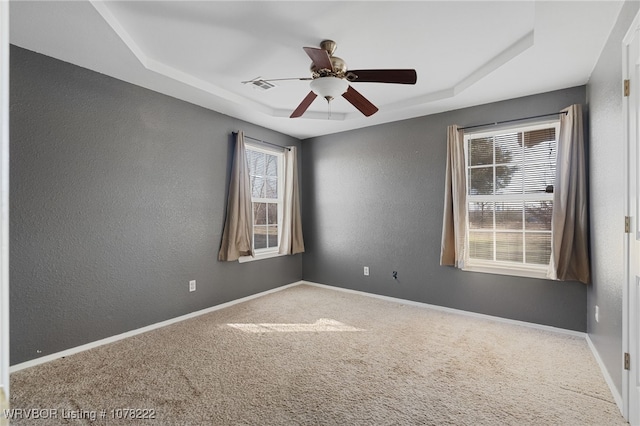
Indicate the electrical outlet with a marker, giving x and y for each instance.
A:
(192, 285)
(597, 313)
(366, 270)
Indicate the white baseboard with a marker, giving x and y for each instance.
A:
(131, 333)
(454, 311)
(607, 377)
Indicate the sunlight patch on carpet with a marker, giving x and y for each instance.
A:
(322, 324)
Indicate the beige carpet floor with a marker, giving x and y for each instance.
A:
(315, 356)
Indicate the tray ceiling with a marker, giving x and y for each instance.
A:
(465, 53)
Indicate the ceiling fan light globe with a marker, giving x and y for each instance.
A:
(329, 87)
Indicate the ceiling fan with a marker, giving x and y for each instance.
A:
(330, 78)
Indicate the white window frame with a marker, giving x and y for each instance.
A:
(504, 267)
(270, 252)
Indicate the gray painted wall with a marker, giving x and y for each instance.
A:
(118, 198)
(374, 197)
(607, 152)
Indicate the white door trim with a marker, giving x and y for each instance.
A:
(632, 191)
(4, 201)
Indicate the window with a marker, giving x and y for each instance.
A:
(266, 177)
(510, 177)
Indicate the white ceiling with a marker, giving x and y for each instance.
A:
(465, 52)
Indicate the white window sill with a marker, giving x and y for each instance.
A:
(260, 256)
(515, 270)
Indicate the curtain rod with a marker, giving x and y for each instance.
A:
(515, 119)
(265, 142)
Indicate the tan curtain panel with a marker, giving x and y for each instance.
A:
(236, 237)
(291, 241)
(569, 247)
(455, 196)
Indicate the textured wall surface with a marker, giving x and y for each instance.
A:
(607, 152)
(374, 197)
(118, 198)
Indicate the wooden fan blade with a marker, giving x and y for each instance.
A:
(319, 57)
(258, 80)
(303, 105)
(383, 76)
(360, 102)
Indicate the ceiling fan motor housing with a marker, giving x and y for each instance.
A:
(338, 64)
(339, 69)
